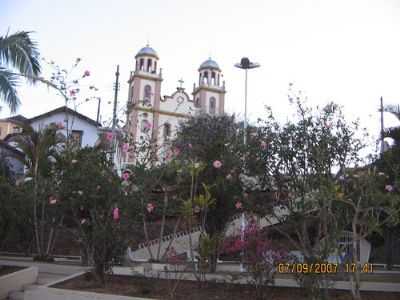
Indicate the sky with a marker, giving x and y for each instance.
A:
(346, 51)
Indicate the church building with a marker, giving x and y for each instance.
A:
(151, 116)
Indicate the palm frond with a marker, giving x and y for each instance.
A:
(20, 52)
(8, 92)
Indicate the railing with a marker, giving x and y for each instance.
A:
(169, 237)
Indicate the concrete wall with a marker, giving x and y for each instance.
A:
(17, 280)
(49, 293)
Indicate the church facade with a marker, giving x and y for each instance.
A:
(151, 116)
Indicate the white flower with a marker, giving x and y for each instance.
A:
(80, 193)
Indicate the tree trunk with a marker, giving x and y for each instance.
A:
(356, 273)
(162, 225)
(35, 217)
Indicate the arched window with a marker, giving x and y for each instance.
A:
(147, 94)
(155, 67)
(212, 105)
(141, 66)
(213, 81)
(197, 102)
(205, 77)
(167, 131)
(149, 65)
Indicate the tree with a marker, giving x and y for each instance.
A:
(369, 203)
(18, 57)
(303, 160)
(94, 206)
(41, 150)
(215, 143)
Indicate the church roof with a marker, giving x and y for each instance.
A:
(209, 64)
(147, 51)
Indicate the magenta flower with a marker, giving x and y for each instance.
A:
(217, 164)
(86, 73)
(150, 207)
(238, 205)
(125, 147)
(116, 214)
(109, 136)
(125, 176)
(263, 145)
(389, 188)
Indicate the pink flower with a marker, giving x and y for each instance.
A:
(150, 207)
(125, 147)
(147, 125)
(83, 221)
(238, 205)
(264, 145)
(52, 200)
(72, 92)
(125, 176)
(217, 164)
(190, 146)
(86, 73)
(169, 155)
(177, 151)
(389, 188)
(109, 136)
(116, 214)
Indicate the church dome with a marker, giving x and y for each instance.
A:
(147, 51)
(209, 64)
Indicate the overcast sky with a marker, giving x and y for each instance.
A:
(347, 51)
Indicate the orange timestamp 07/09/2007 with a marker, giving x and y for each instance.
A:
(323, 268)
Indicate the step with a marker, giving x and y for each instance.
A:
(30, 287)
(16, 295)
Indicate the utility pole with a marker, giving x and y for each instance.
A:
(114, 121)
(98, 110)
(382, 129)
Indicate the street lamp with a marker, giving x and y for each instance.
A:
(245, 64)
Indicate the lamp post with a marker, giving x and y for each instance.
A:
(245, 64)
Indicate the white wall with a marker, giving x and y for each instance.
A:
(90, 133)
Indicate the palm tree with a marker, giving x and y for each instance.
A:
(18, 58)
(41, 149)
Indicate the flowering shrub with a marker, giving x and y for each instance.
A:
(260, 255)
